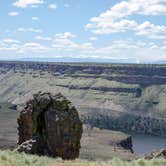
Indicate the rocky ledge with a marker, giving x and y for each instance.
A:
(126, 143)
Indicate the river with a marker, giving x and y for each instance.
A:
(146, 143)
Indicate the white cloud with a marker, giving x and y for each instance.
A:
(15, 47)
(52, 6)
(11, 48)
(93, 38)
(151, 30)
(26, 3)
(9, 44)
(116, 19)
(13, 13)
(126, 50)
(34, 30)
(10, 41)
(43, 38)
(32, 46)
(144, 29)
(35, 18)
(141, 7)
(64, 42)
(107, 27)
(132, 51)
(65, 35)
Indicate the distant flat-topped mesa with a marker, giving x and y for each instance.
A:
(91, 68)
(144, 74)
(49, 125)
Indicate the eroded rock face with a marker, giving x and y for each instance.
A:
(156, 154)
(49, 125)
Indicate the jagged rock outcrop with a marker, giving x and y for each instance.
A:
(49, 125)
(126, 144)
(156, 154)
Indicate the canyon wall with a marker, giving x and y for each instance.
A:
(111, 90)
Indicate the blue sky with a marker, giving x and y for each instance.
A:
(130, 31)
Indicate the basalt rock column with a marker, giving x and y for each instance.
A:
(50, 125)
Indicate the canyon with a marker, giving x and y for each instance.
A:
(125, 97)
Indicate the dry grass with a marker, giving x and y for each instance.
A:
(80, 163)
(8, 158)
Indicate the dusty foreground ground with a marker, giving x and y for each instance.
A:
(96, 144)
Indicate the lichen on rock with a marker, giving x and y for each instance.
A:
(50, 125)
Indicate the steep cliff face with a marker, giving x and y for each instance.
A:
(106, 89)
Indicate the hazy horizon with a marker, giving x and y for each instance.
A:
(80, 60)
